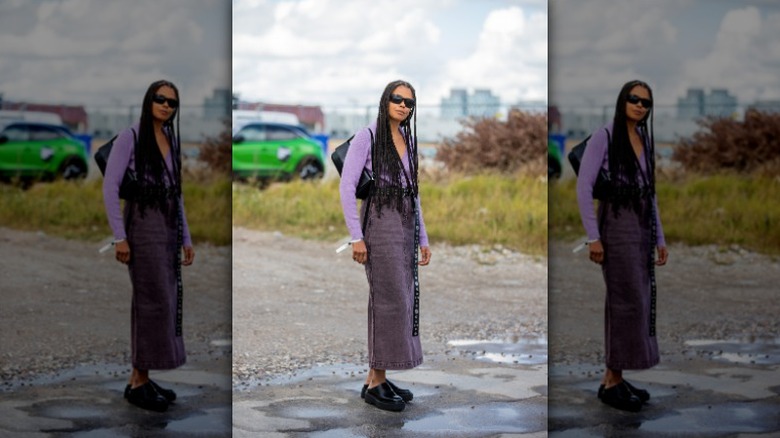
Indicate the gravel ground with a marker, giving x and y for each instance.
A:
(298, 304)
(65, 305)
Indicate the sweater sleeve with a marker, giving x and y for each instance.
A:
(358, 158)
(659, 230)
(119, 160)
(592, 162)
(423, 232)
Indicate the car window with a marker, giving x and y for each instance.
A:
(17, 133)
(45, 133)
(253, 133)
(281, 133)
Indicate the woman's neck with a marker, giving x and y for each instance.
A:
(631, 125)
(394, 125)
(158, 125)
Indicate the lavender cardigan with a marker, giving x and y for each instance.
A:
(123, 157)
(359, 157)
(595, 158)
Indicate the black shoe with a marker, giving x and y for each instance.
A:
(619, 397)
(383, 397)
(363, 391)
(600, 391)
(146, 397)
(405, 394)
(168, 394)
(641, 394)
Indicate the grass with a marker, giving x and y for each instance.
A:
(74, 210)
(486, 210)
(696, 210)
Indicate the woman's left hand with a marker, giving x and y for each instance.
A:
(189, 256)
(663, 256)
(425, 253)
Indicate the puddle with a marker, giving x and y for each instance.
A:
(514, 350)
(113, 371)
(335, 433)
(351, 371)
(718, 419)
(99, 433)
(310, 412)
(214, 421)
(484, 419)
(757, 351)
(72, 410)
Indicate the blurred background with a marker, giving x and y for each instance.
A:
(480, 74)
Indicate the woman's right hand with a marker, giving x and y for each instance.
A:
(122, 251)
(596, 252)
(359, 252)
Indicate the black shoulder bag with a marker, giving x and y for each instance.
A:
(129, 185)
(601, 188)
(338, 156)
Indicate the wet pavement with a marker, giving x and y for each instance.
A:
(87, 401)
(719, 374)
(476, 389)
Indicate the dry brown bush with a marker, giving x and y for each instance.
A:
(517, 145)
(725, 144)
(216, 152)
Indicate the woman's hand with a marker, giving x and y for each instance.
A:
(663, 256)
(425, 252)
(359, 252)
(596, 252)
(122, 251)
(189, 256)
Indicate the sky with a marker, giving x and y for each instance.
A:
(598, 45)
(101, 53)
(341, 53)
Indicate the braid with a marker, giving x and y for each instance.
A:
(623, 165)
(149, 162)
(387, 165)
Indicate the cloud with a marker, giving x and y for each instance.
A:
(746, 43)
(511, 56)
(342, 52)
(97, 52)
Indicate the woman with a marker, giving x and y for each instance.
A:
(149, 237)
(623, 239)
(394, 228)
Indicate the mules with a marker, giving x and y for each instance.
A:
(405, 394)
(620, 397)
(383, 397)
(146, 397)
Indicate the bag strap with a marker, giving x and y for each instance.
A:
(373, 177)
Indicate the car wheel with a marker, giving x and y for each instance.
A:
(73, 168)
(309, 168)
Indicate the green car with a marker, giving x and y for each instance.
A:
(265, 150)
(40, 151)
(554, 160)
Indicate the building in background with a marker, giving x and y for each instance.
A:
(218, 106)
(696, 103)
(460, 104)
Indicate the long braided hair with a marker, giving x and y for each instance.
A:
(623, 165)
(149, 162)
(386, 163)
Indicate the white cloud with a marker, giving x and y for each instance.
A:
(745, 44)
(511, 56)
(342, 52)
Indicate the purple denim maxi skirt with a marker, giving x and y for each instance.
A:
(153, 246)
(390, 243)
(627, 245)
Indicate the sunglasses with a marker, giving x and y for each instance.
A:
(159, 98)
(397, 99)
(634, 99)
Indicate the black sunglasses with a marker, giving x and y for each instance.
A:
(159, 98)
(397, 99)
(634, 99)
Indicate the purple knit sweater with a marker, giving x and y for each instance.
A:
(595, 158)
(359, 157)
(123, 157)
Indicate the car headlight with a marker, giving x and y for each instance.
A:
(283, 154)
